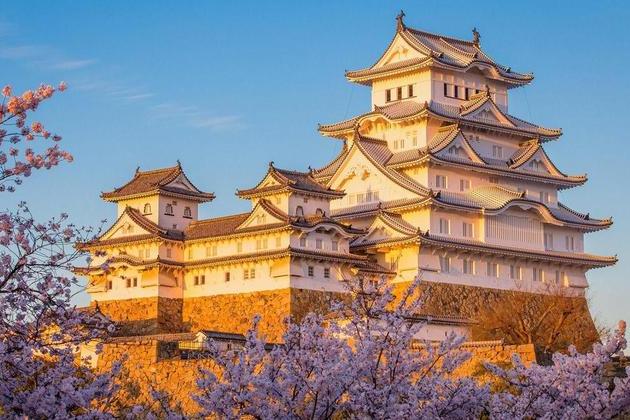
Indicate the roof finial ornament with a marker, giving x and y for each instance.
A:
(310, 170)
(271, 163)
(179, 164)
(487, 89)
(476, 37)
(138, 169)
(399, 20)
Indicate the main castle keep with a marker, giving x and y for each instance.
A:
(436, 179)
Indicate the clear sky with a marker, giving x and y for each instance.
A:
(228, 86)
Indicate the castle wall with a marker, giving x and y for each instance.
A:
(144, 315)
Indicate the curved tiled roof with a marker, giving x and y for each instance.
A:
(492, 198)
(304, 182)
(154, 181)
(583, 259)
(438, 50)
(410, 108)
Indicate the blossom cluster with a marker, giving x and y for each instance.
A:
(17, 163)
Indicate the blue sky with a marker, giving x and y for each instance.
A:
(228, 86)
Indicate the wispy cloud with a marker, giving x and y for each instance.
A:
(95, 79)
(73, 64)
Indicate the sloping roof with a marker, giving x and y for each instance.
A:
(303, 182)
(457, 114)
(154, 231)
(439, 50)
(491, 198)
(154, 181)
(583, 259)
(219, 226)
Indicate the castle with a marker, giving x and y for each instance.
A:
(437, 179)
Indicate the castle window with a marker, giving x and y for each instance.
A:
(278, 242)
(410, 91)
(335, 245)
(388, 95)
(399, 93)
(299, 211)
(445, 226)
(467, 93)
(497, 151)
(544, 197)
(492, 269)
(561, 278)
(548, 241)
(187, 213)
(147, 208)
(445, 89)
(569, 243)
(455, 91)
(169, 210)
(318, 243)
(109, 285)
(252, 273)
(278, 200)
(319, 212)
(326, 273)
(445, 264)
(246, 274)
(464, 185)
(414, 138)
(128, 281)
(538, 274)
(311, 271)
(135, 282)
(227, 276)
(467, 230)
(440, 181)
(168, 252)
(196, 281)
(303, 241)
(515, 272)
(468, 266)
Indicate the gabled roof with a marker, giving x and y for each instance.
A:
(157, 181)
(152, 231)
(580, 259)
(402, 231)
(440, 51)
(280, 180)
(234, 225)
(464, 115)
(378, 153)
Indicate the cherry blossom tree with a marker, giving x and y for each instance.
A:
(575, 386)
(18, 157)
(363, 361)
(366, 362)
(40, 329)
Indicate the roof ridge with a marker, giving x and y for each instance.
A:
(435, 35)
(219, 218)
(149, 171)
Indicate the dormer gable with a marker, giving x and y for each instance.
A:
(482, 107)
(386, 227)
(264, 213)
(532, 157)
(451, 143)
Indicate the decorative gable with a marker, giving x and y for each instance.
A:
(385, 227)
(539, 162)
(126, 225)
(457, 148)
(399, 50)
(488, 111)
(264, 213)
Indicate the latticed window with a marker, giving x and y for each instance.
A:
(327, 273)
(169, 210)
(187, 212)
(147, 208)
(311, 271)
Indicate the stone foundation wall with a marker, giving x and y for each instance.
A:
(143, 316)
(474, 302)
